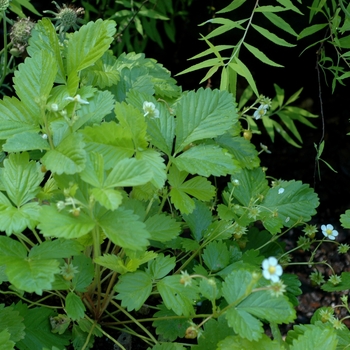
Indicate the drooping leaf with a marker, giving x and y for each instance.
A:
(203, 114)
(133, 289)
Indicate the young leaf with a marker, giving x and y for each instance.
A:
(133, 289)
(203, 114)
(161, 266)
(176, 296)
(206, 160)
(74, 306)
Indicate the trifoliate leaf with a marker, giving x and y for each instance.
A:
(74, 306)
(171, 328)
(162, 228)
(21, 178)
(176, 296)
(199, 220)
(161, 266)
(206, 160)
(241, 149)
(88, 44)
(133, 289)
(203, 114)
(123, 228)
(68, 157)
(34, 80)
(16, 117)
(216, 256)
(292, 202)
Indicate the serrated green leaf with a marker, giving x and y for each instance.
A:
(11, 321)
(162, 228)
(176, 296)
(161, 266)
(21, 178)
(11, 250)
(235, 342)
(316, 338)
(112, 262)
(123, 228)
(292, 201)
(244, 324)
(343, 285)
(216, 256)
(38, 329)
(5, 341)
(25, 141)
(270, 9)
(280, 23)
(16, 118)
(311, 30)
(68, 157)
(74, 306)
(34, 80)
(88, 44)
(168, 346)
(271, 36)
(205, 64)
(56, 249)
(289, 6)
(171, 328)
(64, 224)
(233, 5)
(261, 56)
(85, 275)
(243, 150)
(240, 68)
(345, 219)
(133, 289)
(206, 160)
(199, 219)
(203, 114)
(43, 37)
(288, 122)
(210, 50)
(109, 198)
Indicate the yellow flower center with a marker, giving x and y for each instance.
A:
(272, 269)
(329, 232)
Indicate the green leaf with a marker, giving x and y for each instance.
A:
(26, 141)
(289, 6)
(261, 56)
(5, 341)
(343, 285)
(211, 62)
(216, 256)
(38, 329)
(11, 321)
(345, 219)
(244, 324)
(288, 122)
(270, 9)
(176, 296)
(162, 228)
(85, 275)
(234, 5)
(88, 44)
(68, 157)
(21, 178)
(206, 160)
(311, 30)
(167, 326)
(280, 23)
(316, 338)
(203, 114)
(133, 289)
(74, 306)
(161, 266)
(292, 201)
(240, 68)
(64, 224)
(16, 118)
(34, 80)
(271, 36)
(109, 198)
(199, 219)
(235, 342)
(124, 229)
(43, 37)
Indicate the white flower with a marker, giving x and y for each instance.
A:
(271, 269)
(78, 99)
(328, 231)
(281, 190)
(54, 107)
(150, 109)
(261, 111)
(44, 136)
